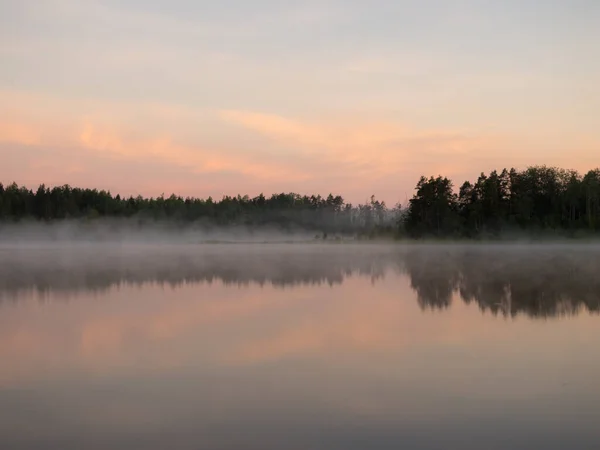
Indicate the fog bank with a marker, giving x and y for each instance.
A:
(537, 280)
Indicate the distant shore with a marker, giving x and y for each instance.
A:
(538, 203)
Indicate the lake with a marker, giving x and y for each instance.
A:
(291, 346)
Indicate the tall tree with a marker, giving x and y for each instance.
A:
(433, 209)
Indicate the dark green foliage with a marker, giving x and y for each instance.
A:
(286, 211)
(540, 199)
(434, 208)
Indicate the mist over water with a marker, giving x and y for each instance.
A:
(128, 231)
(168, 343)
(539, 280)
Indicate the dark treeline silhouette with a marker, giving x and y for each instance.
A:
(537, 200)
(291, 210)
(538, 281)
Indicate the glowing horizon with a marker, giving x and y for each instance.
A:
(354, 98)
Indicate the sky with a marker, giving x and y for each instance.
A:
(351, 97)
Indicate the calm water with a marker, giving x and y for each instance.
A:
(299, 347)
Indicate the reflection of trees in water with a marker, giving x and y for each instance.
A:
(432, 276)
(531, 280)
(534, 281)
(98, 272)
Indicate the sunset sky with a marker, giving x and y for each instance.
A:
(351, 97)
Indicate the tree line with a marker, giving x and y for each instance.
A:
(284, 210)
(537, 199)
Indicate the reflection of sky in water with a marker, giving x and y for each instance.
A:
(353, 364)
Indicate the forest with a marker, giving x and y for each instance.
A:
(538, 200)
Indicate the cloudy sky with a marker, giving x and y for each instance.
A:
(235, 96)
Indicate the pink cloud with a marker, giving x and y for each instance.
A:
(161, 148)
(369, 148)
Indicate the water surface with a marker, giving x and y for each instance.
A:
(299, 347)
